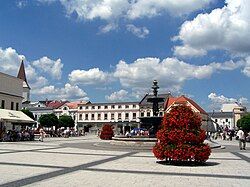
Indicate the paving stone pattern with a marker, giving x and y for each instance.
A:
(88, 161)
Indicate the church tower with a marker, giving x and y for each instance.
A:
(26, 87)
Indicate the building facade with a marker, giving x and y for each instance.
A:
(228, 116)
(11, 92)
(123, 116)
(11, 96)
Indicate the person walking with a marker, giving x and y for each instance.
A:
(242, 139)
(41, 131)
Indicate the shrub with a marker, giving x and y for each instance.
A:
(107, 132)
(180, 138)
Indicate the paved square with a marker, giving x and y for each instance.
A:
(80, 162)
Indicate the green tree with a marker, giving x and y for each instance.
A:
(49, 120)
(66, 121)
(28, 113)
(244, 122)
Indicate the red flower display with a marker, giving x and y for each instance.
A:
(180, 138)
(107, 132)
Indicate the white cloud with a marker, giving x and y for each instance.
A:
(67, 92)
(121, 95)
(109, 27)
(246, 70)
(10, 61)
(218, 100)
(170, 72)
(140, 32)
(151, 8)
(226, 28)
(51, 67)
(187, 51)
(114, 10)
(21, 3)
(90, 77)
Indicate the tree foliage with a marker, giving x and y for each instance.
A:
(244, 123)
(66, 121)
(180, 138)
(107, 132)
(48, 120)
(28, 113)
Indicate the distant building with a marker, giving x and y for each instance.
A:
(228, 116)
(123, 115)
(69, 109)
(39, 108)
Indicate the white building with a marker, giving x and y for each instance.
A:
(123, 115)
(229, 115)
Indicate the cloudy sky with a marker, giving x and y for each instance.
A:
(112, 50)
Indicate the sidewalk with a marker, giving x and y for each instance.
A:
(53, 163)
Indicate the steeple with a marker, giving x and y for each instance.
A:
(22, 75)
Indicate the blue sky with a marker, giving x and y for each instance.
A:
(111, 50)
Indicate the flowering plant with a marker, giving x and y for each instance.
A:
(180, 138)
(107, 132)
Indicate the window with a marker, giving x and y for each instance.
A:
(17, 106)
(134, 115)
(65, 108)
(226, 120)
(112, 116)
(119, 106)
(161, 114)
(86, 117)
(105, 116)
(216, 120)
(134, 106)
(126, 115)
(12, 105)
(86, 107)
(126, 106)
(80, 116)
(35, 117)
(80, 107)
(92, 116)
(105, 107)
(112, 106)
(99, 107)
(99, 116)
(93, 107)
(142, 114)
(148, 114)
(119, 116)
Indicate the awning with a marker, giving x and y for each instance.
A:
(14, 116)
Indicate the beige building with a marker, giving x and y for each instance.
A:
(11, 97)
(11, 92)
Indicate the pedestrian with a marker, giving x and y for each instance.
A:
(41, 131)
(242, 139)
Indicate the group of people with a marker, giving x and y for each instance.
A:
(18, 135)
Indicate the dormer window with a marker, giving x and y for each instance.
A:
(65, 108)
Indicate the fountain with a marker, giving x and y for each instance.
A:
(150, 123)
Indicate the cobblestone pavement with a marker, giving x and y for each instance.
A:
(88, 161)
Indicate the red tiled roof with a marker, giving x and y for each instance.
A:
(73, 105)
(182, 100)
(56, 104)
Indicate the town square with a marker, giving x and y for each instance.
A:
(124, 93)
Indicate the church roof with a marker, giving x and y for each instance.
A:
(22, 75)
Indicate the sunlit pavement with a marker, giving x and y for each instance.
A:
(88, 161)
